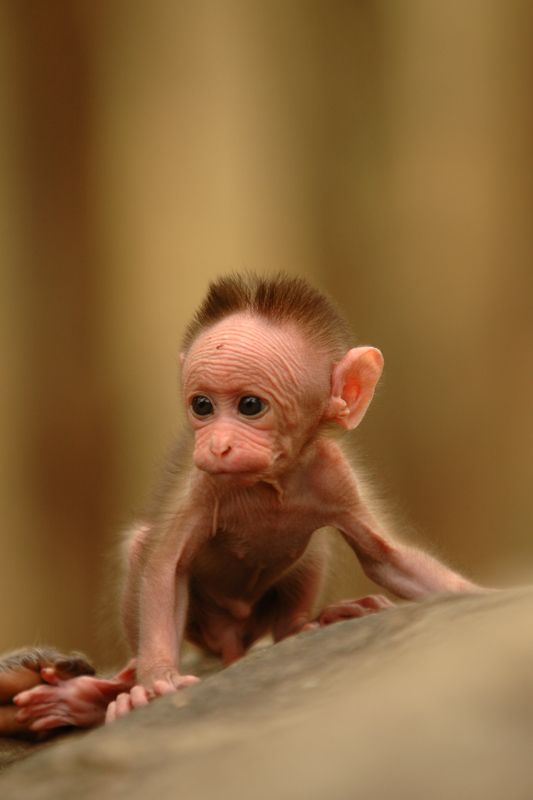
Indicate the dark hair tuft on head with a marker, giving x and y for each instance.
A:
(279, 299)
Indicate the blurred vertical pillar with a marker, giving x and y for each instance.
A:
(431, 239)
(65, 438)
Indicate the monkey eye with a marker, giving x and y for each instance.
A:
(251, 406)
(201, 406)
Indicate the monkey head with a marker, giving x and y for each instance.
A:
(257, 393)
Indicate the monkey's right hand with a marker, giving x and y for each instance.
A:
(80, 701)
(139, 696)
(150, 673)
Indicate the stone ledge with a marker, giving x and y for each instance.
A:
(430, 700)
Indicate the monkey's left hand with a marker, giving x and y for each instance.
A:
(348, 609)
(80, 701)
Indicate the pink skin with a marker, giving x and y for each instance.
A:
(274, 474)
(136, 698)
(80, 701)
(233, 556)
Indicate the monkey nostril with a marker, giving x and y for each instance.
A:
(220, 448)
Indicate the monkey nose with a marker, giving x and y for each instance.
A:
(220, 447)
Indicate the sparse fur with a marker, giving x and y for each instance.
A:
(36, 658)
(279, 299)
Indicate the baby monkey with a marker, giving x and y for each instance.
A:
(225, 552)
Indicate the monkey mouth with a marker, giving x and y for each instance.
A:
(236, 480)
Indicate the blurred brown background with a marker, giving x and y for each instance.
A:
(385, 149)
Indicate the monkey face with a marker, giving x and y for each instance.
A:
(255, 393)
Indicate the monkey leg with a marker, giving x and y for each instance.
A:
(81, 702)
(283, 610)
(217, 632)
(297, 592)
(348, 609)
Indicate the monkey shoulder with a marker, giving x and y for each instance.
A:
(330, 472)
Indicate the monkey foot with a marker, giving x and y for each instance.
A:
(81, 701)
(348, 609)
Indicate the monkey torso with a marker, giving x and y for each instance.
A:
(261, 533)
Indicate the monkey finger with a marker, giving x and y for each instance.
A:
(24, 698)
(51, 675)
(36, 710)
(111, 713)
(48, 722)
(41, 693)
(181, 681)
(349, 609)
(161, 688)
(41, 717)
(123, 705)
(139, 697)
(375, 602)
(310, 626)
(22, 715)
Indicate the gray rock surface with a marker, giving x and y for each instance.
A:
(423, 701)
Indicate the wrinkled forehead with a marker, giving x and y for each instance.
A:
(244, 346)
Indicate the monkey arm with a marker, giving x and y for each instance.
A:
(162, 624)
(164, 599)
(411, 574)
(406, 571)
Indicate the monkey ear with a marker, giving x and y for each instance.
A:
(352, 386)
(182, 358)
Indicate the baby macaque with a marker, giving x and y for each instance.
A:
(225, 553)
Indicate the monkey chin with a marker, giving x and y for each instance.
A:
(236, 480)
